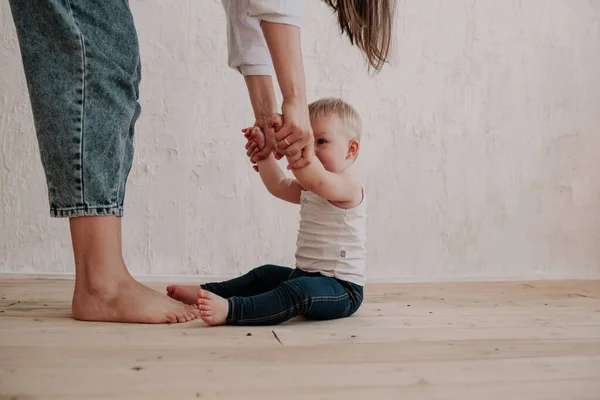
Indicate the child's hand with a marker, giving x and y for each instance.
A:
(256, 142)
(269, 133)
(257, 136)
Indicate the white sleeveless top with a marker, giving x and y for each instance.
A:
(332, 240)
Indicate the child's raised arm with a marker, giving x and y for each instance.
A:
(336, 187)
(329, 185)
(273, 177)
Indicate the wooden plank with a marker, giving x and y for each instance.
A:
(188, 352)
(214, 377)
(533, 340)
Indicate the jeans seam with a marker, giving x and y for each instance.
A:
(81, 145)
(83, 80)
(316, 299)
(347, 308)
(86, 207)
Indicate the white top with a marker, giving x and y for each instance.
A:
(248, 51)
(332, 240)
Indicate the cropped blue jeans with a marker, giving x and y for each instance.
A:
(82, 66)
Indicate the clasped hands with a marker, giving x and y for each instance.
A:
(288, 135)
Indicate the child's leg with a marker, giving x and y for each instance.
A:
(316, 297)
(259, 280)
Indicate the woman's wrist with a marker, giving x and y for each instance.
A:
(262, 95)
(295, 96)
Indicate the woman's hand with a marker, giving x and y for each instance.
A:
(294, 135)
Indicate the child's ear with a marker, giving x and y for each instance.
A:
(353, 148)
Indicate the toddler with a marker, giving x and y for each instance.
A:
(328, 280)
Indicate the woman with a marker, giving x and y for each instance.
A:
(81, 61)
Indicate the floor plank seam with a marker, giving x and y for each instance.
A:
(277, 337)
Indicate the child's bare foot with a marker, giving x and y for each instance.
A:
(213, 308)
(185, 293)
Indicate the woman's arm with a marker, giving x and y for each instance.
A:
(261, 33)
(296, 135)
(262, 95)
(249, 55)
(264, 105)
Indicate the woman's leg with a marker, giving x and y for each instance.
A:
(81, 62)
(259, 280)
(316, 297)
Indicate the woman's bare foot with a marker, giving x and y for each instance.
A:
(104, 289)
(184, 293)
(213, 308)
(129, 301)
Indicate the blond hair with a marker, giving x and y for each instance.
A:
(339, 108)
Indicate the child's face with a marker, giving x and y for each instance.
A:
(333, 144)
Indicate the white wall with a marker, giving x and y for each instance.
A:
(481, 146)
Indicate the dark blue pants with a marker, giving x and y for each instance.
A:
(271, 294)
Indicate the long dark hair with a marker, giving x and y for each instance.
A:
(368, 25)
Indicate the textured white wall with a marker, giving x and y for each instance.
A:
(480, 151)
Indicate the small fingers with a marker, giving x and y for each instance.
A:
(246, 132)
(275, 122)
(250, 149)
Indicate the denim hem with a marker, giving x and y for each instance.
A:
(86, 211)
(231, 320)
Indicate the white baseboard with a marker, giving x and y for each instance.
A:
(139, 277)
(196, 279)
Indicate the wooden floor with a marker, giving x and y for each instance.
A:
(534, 340)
